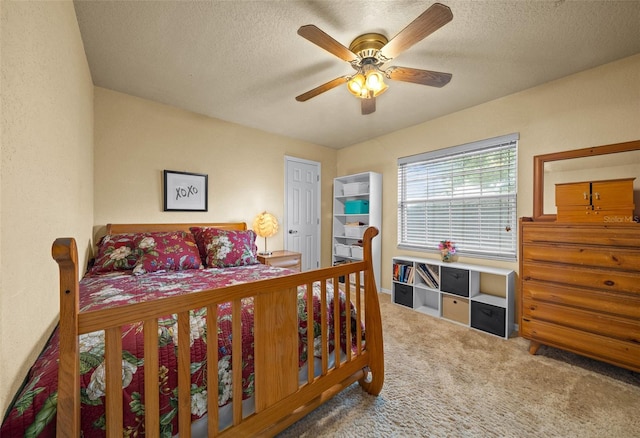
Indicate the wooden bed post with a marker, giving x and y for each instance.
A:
(373, 322)
(65, 252)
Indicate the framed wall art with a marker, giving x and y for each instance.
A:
(185, 191)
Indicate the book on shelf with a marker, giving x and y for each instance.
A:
(403, 273)
(427, 273)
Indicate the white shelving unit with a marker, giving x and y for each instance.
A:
(480, 297)
(356, 191)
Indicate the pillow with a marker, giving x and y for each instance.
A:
(198, 234)
(166, 251)
(116, 253)
(224, 248)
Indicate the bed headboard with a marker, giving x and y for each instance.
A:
(145, 228)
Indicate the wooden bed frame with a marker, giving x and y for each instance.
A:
(279, 399)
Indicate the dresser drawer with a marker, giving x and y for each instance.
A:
(282, 259)
(610, 302)
(619, 236)
(588, 344)
(589, 321)
(604, 279)
(596, 215)
(289, 263)
(603, 257)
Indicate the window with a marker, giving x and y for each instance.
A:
(465, 193)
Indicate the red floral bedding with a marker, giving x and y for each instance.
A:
(33, 411)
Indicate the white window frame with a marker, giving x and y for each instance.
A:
(480, 217)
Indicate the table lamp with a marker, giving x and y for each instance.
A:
(265, 225)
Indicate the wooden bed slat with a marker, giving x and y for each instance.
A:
(184, 374)
(236, 360)
(212, 372)
(324, 329)
(276, 346)
(151, 379)
(310, 334)
(113, 381)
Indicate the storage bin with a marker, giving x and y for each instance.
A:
(455, 309)
(488, 318)
(455, 281)
(354, 231)
(403, 294)
(343, 250)
(357, 188)
(357, 206)
(357, 252)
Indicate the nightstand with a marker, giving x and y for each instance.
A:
(283, 259)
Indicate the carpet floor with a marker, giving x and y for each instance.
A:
(446, 380)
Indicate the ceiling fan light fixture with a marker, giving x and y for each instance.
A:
(375, 81)
(357, 84)
(367, 83)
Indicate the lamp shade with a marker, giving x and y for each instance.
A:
(265, 225)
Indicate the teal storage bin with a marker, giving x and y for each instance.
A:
(358, 206)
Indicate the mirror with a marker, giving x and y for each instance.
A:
(620, 160)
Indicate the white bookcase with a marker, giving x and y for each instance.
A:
(479, 297)
(356, 199)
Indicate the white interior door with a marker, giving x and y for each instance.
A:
(302, 208)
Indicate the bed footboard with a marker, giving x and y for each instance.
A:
(280, 399)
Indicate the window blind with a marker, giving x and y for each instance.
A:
(465, 193)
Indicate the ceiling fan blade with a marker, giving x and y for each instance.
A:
(323, 40)
(422, 77)
(322, 88)
(428, 22)
(368, 105)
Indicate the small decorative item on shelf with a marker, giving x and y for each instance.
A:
(447, 250)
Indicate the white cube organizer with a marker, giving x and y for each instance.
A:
(354, 231)
(343, 250)
(356, 188)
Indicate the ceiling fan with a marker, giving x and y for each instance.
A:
(369, 52)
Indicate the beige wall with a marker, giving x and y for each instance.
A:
(47, 172)
(136, 139)
(592, 108)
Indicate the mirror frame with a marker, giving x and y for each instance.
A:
(540, 160)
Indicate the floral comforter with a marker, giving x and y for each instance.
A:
(33, 411)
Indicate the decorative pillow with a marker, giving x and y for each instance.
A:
(116, 253)
(226, 248)
(198, 234)
(166, 251)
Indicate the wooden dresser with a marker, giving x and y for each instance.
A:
(580, 289)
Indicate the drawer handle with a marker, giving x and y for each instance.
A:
(455, 302)
(487, 312)
(597, 195)
(585, 195)
(610, 282)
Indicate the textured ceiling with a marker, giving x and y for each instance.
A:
(243, 62)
